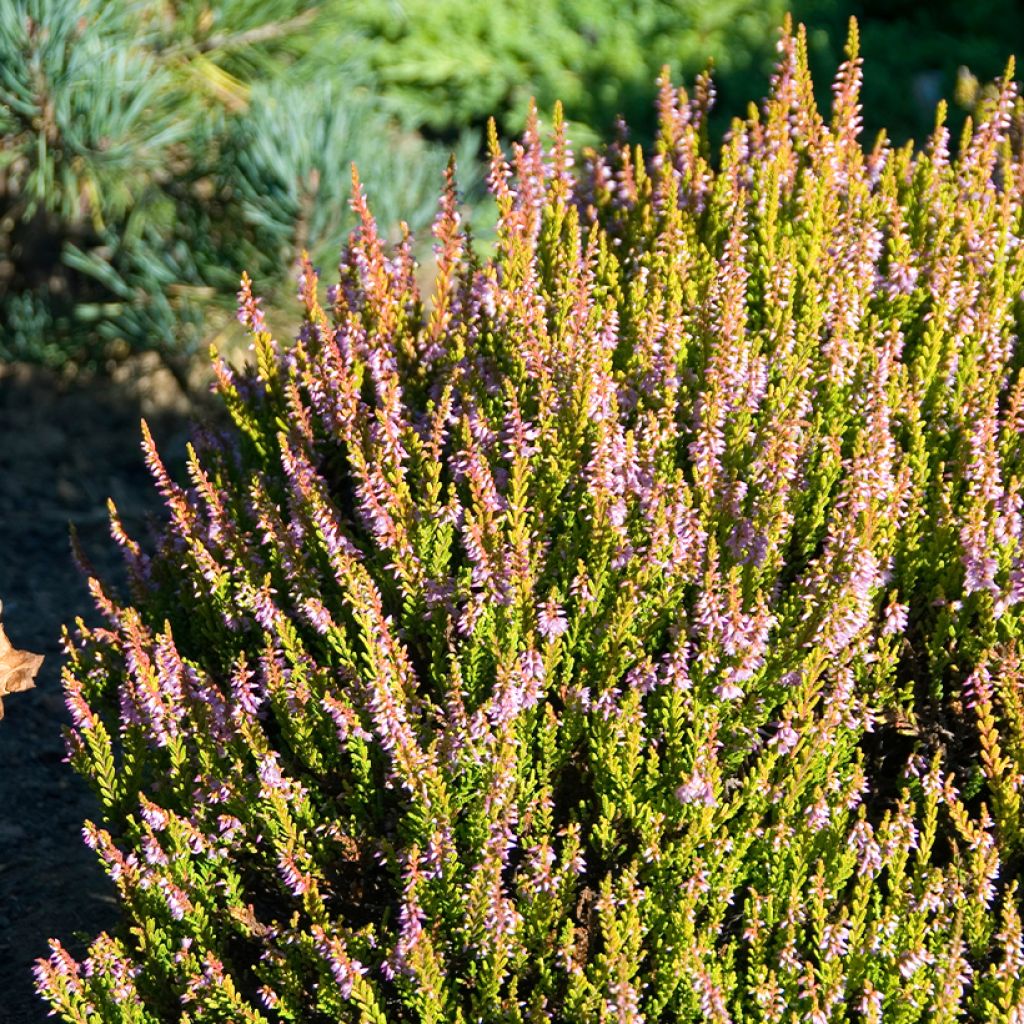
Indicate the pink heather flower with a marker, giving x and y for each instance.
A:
(540, 860)
(343, 968)
(870, 1004)
(170, 668)
(617, 512)
(211, 977)
(249, 313)
(551, 621)
(895, 618)
(306, 279)
(642, 677)
(297, 881)
(518, 689)
(484, 294)
(607, 702)
(818, 814)
(977, 687)
(228, 826)
(518, 435)
(531, 665)
(728, 690)
(376, 506)
(470, 615)
(771, 998)
(697, 883)
(270, 775)
(152, 815)
(318, 615)
(263, 608)
(81, 714)
(411, 920)
(835, 940)
(901, 279)
(624, 554)
(118, 866)
(791, 678)
(177, 901)
(61, 965)
(439, 847)
(580, 589)
(245, 693)
(712, 999)
(196, 840)
(105, 960)
(578, 863)
(1016, 582)
(912, 961)
(502, 919)
(785, 739)
(624, 1004)
(577, 698)
(211, 790)
(269, 772)
(153, 852)
(674, 670)
(346, 721)
(979, 567)
(696, 790)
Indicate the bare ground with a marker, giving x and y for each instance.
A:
(66, 445)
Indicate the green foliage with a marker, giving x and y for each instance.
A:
(449, 63)
(915, 54)
(150, 152)
(453, 63)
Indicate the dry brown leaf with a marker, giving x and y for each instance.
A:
(17, 669)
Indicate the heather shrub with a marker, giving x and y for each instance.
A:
(630, 632)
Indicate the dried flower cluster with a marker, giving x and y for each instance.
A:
(630, 633)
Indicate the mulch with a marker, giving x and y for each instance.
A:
(67, 443)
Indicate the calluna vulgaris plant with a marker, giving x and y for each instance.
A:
(631, 633)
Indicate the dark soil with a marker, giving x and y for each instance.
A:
(66, 445)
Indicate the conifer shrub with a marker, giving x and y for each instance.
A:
(150, 151)
(630, 632)
(449, 63)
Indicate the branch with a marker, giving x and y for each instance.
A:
(260, 34)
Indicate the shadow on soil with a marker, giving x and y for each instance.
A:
(66, 445)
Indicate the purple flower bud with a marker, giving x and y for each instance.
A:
(551, 621)
(696, 789)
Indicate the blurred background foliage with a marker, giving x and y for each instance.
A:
(149, 151)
